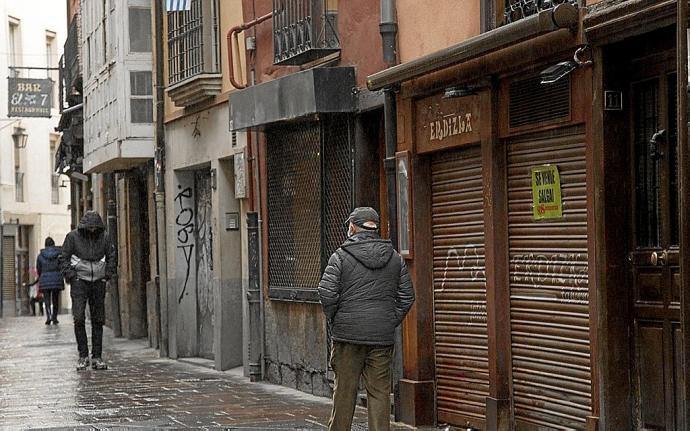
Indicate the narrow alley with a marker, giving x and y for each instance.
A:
(40, 388)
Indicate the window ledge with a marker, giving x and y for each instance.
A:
(196, 89)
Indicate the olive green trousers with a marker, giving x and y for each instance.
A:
(372, 363)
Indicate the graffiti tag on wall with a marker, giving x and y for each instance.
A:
(569, 271)
(184, 225)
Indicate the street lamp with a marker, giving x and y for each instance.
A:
(20, 137)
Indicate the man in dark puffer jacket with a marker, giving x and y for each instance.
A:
(365, 292)
(88, 259)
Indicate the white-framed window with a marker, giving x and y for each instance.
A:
(51, 61)
(139, 29)
(141, 96)
(14, 41)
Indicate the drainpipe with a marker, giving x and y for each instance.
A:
(233, 41)
(111, 222)
(159, 177)
(388, 28)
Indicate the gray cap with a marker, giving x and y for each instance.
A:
(361, 215)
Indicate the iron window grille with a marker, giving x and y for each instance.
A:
(19, 186)
(193, 47)
(304, 30)
(516, 10)
(310, 194)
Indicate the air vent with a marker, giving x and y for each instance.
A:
(233, 138)
(532, 102)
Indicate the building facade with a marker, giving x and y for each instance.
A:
(318, 135)
(205, 189)
(116, 52)
(538, 207)
(34, 199)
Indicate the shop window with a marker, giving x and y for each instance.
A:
(309, 196)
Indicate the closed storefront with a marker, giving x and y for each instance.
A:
(9, 285)
(549, 299)
(462, 375)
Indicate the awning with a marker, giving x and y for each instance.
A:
(563, 16)
(313, 91)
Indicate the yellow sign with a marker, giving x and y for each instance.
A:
(546, 193)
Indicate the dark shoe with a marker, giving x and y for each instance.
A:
(55, 322)
(47, 322)
(99, 364)
(83, 363)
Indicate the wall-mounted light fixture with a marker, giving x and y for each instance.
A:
(459, 91)
(20, 137)
(554, 73)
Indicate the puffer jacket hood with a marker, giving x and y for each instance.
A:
(90, 220)
(47, 265)
(370, 251)
(365, 291)
(50, 252)
(88, 253)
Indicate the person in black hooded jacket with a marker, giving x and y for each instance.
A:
(50, 279)
(365, 292)
(87, 261)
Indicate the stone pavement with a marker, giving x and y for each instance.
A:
(40, 388)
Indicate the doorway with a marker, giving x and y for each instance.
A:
(654, 247)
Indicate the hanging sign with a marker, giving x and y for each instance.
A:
(546, 193)
(29, 97)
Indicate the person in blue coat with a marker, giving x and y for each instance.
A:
(50, 279)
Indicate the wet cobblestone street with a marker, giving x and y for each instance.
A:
(40, 388)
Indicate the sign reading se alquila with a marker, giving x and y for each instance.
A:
(29, 97)
(447, 122)
(546, 193)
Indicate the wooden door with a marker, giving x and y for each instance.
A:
(655, 294)
(204, 263)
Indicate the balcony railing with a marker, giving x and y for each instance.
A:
(516, 10)
(304, 30)
(70, 70)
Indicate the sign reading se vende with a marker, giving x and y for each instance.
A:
(546, 193)
(447, 122)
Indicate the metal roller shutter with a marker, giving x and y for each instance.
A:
(549, 302)
(9, 292)
(462, 375)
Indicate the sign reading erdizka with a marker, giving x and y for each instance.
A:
(29, 97)
(546, 193)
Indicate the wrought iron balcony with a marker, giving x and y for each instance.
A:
(304, 30)
(70, 70)
(515, 10)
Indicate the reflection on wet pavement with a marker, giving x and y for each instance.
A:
(40, 388)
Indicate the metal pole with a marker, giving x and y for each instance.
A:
(684, 198)
(159, 177)
(111, 220)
